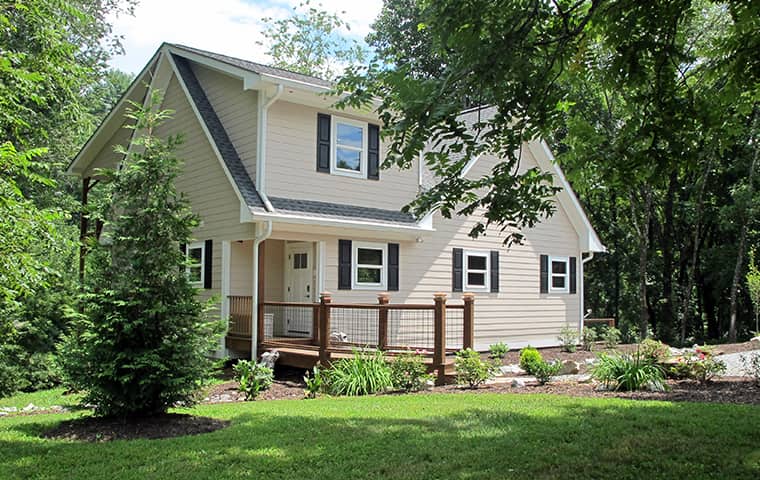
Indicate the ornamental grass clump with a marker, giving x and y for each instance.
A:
(628, 373)
(498, 351)
(365, 373)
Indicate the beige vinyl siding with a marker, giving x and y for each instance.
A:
(204, 183)
(236, 108)
(291, 169)
(107, 157)
(518, 314)
(274, 264)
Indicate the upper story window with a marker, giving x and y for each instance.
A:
(349, 147)
(369, 265)
(476, 270)
(559, 273)
(194, 267)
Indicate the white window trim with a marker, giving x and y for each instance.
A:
(362, 173)
(466, 270)
(191, 246)
(566, 275)
(356, 285)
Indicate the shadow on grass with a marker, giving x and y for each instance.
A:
(416, 437)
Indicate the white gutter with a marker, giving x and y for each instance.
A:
(582, 292)
(255, 294)
(261, 145)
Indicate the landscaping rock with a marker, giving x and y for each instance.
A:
(29, 408)
(570, 367)
(584, 379)
(9, 409)
(590, 362)
(225, 398)
(3, 414)
(518, 383)
(511, 370)
(755, 339)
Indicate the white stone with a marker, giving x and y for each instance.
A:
(3, 414)
(225, 398)
(518, 383)
(584, 379)
(9, 409)
(268, 359)
(569, 367)
(511, 370)
(755, 339)
(29, 408)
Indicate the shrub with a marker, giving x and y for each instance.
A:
(363, 374)
(700, 365)
(498, 350)
(628, 372)
(409, 372)
(568, 337)
(253, 377)
(654, 350)
(751, 365)
(316, 383)
(473, 370)
(611, 337)
(529, 357)
(545, 371)
(588, 338)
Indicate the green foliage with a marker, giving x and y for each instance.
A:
(316, 383)
(654, 350)
(472, 370)
(611, 337)
(628, 372)
(568, 337)
(409, 372)
(143, 343)
(311, 42)
(529, 359)
(253, 377)
(498, 350)
(753, 287)
(365, 373)
(751, 365)
(588, 338)
(545, 371)
(700, 364)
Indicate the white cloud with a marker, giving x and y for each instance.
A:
(231, 27)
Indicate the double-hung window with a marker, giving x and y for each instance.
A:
(194, 267)
(349, 147)
(559, 274)
(370, 264)
(476, 270)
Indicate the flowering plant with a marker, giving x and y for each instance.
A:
(699, 364)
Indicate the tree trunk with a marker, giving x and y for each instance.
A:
(641, 224)
(665, 323)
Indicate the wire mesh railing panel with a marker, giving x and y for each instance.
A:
(354, 326)
(288, 320)
(412, 329)
(454, 328)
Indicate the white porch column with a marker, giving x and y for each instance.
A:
(225, 307)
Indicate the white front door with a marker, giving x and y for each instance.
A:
(299, 275)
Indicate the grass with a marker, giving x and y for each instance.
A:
(466, 436)
(43, 398)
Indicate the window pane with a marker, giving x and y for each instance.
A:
(477, 279)
(476, 262)
(558, 282)
(368, 275)
(195, 254)
(348, 159)
(349, 135)
(194, 274)
(559, 267)
(369, 256)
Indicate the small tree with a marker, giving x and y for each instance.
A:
(142, 344)
(753, 285)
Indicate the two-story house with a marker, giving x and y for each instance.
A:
(293, 203)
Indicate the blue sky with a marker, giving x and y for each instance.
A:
(231, 27)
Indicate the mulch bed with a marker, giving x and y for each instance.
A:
(94, 429)
(280, 390)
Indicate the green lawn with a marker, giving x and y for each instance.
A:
(417, 436)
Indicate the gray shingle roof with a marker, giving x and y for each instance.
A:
(257, 67)
(219, 134)
(336, 210)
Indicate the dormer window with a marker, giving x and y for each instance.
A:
(349, 147)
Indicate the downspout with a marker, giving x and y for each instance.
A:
(261, 143)
(258, 238)
(583, 293)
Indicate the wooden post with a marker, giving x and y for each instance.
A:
(468, 327)
(325, 298)
(382, 325)
(315, 324)
(439, 337)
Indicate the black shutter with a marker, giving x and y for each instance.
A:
(208, 254)
(494, 271)
(344, 264)
(457, 270)
(373, 152)
(544, 273)
(183, 248)
(573, 280)
(393, 267)
(323, 143)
